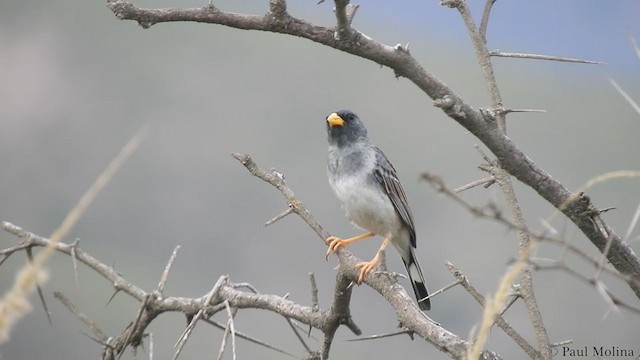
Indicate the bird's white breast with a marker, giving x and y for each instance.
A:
(366, 204)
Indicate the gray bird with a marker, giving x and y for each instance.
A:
(367, 185)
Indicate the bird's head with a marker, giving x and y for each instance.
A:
(345, 128)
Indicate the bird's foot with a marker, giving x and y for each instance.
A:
(334, 244)
(366, 267)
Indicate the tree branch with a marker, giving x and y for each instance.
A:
(154, 303)
(406, 310)
(502, 323)
(483, 126)
(498, 53)
(502, 177)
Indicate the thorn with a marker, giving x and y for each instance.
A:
(112, 296)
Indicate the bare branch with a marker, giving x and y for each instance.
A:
(632, 224)
(511, 158)
(250, 339)
(625, 96)
(527, 289)
(298, 336)
(10, 250)
(509, 111)
(192, 324)
(608, 296)
(634, 44)
(134, 326)
(230, 329)
(482, 55)
(486, 182)
(75, 262)
(85, 320)
(279, 216)
(208, 304)
(489, 212)
(443, 289)
(493, 305)
(484, 23)
(29, 252)
(406, 310)
(165, 273)
(500, 321)
(498, 53)
(381, 336)
(314, 291)
(343, 29)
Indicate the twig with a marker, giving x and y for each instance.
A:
(29, 252)
(625, 96)
(298, 336)
(560, 265)
(489, 213)
(74, 259)
(560, 343)
(441, 290)
(279, 216)
(150, 346)
(509, 111)
(134, 325)
(343, 29)
(250, 338)
(165, 273)
(483, 57)
(486, 182)
(485, 19)
(278, 183)
(634, 44)
(493, 305)
(9, 251)
(192, 324)
(632, 224)
(498, 53)
(229, 329)
(499, 320)
(381, 336)
(314, 292)
(527, 289)
(603, 259)
(101, 337)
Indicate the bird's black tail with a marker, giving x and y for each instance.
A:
(417, 281)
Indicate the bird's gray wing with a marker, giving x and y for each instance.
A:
(386, 175)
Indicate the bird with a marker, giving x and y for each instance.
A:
(368, 187)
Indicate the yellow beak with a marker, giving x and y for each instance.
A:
(335, 120)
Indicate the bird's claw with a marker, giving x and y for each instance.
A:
(365, 268)
(334, 243)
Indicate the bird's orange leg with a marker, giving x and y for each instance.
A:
(336, 243)
(367, 266)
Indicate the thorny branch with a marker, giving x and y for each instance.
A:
(225, 292)
(155, 303)
(488, 126)
(490, 211)
(502, 323)
(485, 127)
(498, 173)
(407, 312)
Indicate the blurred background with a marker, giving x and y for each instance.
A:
(76, 83)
